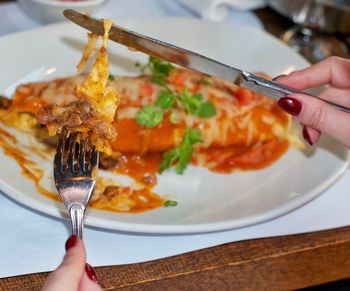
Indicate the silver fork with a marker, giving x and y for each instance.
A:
(75, 169)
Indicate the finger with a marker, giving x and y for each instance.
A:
(319, 115)
(69, 273)
(333, 70)
(89, 281)
(338, 96)
(311, 135)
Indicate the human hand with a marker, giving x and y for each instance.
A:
(315, 115)
(73, 274)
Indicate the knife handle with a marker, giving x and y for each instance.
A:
(276, 91)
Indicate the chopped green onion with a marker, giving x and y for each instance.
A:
(170, 203)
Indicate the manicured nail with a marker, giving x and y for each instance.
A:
(90, 271)
(71, 241)
(290, 105)
(307, 136)
(275, 78)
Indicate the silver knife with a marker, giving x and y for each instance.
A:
(186, 58)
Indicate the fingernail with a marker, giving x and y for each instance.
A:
(290, 105)
(307, 136)
(90, 271)
(71, 241)
(275, 78)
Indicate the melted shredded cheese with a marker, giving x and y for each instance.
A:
(88, 51)
(95, 89)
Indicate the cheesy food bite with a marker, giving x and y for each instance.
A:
(88, 106)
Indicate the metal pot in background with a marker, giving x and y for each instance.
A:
(322, 26)
(331, 16)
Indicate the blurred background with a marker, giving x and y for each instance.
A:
(315, 28)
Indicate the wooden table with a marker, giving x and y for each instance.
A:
(288, 262)
(281, 263)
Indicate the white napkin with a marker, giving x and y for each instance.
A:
(217, 10)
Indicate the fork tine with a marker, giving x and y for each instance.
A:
(72, 150)
(82, 154)
(94, 156)
(93, 166)
(59, 156)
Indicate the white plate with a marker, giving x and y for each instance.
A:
(207, 201)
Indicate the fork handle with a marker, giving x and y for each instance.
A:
(76, 212)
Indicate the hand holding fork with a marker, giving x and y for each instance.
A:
(75, 169)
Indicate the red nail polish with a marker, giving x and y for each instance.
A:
(275, 78)
(290, 105)
(307, 136)
(90, 271)
(71, 241)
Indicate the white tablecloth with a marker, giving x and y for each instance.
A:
(33, 242)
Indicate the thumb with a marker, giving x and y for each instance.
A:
(69, 273)
(318, 115)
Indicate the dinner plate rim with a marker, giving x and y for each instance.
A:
(178, 229)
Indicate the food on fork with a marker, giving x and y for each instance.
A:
(88, 108)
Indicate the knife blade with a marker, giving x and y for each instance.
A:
(187, 59)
